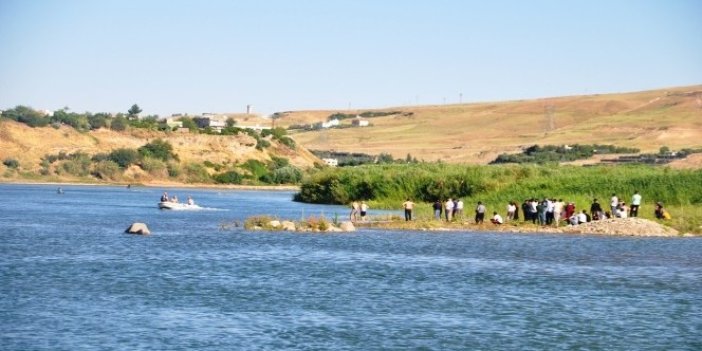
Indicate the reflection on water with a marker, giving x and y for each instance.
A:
(72, 280)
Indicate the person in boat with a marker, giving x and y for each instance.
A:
(190, 201)
(164, 197)
(59, 190)
(174, 199)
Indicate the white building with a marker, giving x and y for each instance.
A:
(332, 162)
(359, 122)
(333, 123)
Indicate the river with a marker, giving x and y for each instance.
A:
(72, 280)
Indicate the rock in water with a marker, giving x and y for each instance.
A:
(289, 226)
(138, 228)
(347, 226)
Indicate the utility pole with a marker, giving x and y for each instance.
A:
(549, 116)
(460, 98)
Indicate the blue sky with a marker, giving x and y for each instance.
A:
(219, 56)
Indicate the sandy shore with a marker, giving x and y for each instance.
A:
(613, 227)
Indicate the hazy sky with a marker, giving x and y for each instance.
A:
(218, 56)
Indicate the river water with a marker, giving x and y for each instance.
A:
(70, 279)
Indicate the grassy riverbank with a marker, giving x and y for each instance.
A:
(387, 186)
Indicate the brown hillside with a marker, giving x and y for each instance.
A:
(28, 145)
(477, 133)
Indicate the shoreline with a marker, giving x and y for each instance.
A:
(160, 185)
(636, 227)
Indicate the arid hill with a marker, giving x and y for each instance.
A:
(477, 133)
(29, 145)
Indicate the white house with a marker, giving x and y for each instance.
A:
(332, 162)
(359, 122)
(333, 123)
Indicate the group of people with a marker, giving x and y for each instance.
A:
(451, 208)
(358, 209)
(552, 211)
(174, 198)
(549, 211)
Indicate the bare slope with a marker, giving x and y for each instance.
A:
(477, 133)
(28, 145)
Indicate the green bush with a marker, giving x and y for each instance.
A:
(26, 115)
(257, 169)
(174, 169)
(119, 123)
(154, 166)
(286, 175)
(158, 149)
(124, 157)
(11, 163)
(196, 173)
(230, 177)
(107, 170)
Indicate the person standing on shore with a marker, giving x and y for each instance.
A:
(448, 208)
(458, 209)
(558, 211)
(409, 206)
(364, 210)
(354, 211)
(480, 213)
(511, 208)
(635, 203)
(437, 209)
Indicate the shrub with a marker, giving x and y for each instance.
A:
(230, 177)
(286, 175)
(174, 169)
(154, 166)
(124, 157)
(257, 168)
(119, 123)
(196, 173)
(158, 149)
(108, 170)
(11, 163)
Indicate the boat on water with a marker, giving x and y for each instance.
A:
(169, 205)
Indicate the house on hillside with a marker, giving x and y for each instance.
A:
(333, 123)
(210, 122)
(332, 162)
(256, 127)
(359, 122)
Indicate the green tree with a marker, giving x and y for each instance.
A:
(134, 111)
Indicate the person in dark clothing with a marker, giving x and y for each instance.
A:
(437, 209)
(596, 210)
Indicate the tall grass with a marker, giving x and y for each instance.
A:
(428, 182)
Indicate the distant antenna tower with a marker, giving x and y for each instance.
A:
(550, 117)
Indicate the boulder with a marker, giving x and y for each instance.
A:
(138, 228)
(333, 229)
(287, 225)
(274, 223)
(347, 226)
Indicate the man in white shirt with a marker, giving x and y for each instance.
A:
(635, 203)
(496, 219)
(448, 206)
(459, 209)
(614, 203)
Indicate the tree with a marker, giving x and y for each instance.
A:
(134, 111)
